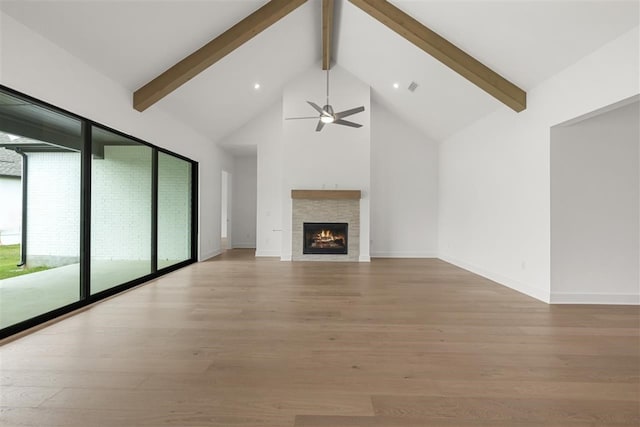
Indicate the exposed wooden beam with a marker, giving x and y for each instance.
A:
(445, 52)
(212, 52)
(327, 32)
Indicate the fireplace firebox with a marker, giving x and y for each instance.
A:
(325, 238)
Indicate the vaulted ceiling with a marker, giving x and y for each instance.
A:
(132, 42)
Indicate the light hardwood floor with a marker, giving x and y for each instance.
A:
(238, 342)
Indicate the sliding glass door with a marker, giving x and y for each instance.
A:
(85, 211)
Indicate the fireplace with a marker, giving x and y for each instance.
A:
(325, 238)
(313, 211)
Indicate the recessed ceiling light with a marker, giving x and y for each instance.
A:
(396, 85)
(256, 86)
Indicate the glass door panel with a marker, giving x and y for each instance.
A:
(174, 210)
(39, 210)
(121, 210)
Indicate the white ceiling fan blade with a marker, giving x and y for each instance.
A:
(320, 126)
(346, 113)
(347, 123)
(301, 118)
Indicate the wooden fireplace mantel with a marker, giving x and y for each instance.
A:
(326, 194)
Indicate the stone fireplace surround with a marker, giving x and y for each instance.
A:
(326, 206)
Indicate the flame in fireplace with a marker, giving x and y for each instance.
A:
(327, 238)
(326, 235)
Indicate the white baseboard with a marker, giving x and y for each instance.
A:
(243, 245)
(502, 280)
(362, 258)
(610, 299)
(407, 254)
(268, 254)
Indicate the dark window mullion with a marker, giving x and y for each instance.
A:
(85, 212)
(194, 211)
(154, 211)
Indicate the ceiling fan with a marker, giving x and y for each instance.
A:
(328, 116)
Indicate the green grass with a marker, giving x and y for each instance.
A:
(9, 258)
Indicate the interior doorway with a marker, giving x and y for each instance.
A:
(595, 233)
(225, 206)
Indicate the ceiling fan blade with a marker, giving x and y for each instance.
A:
(300, 118)
(316, 107)
(350, 112)
(347, 123)
(320, 126)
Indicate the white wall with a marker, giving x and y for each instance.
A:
(494, 211)
(245, 194)
(338, 157)
(404, 188)
(224, 205)
(594, 209)
(35, 66)
(265, 133)
(269, 188)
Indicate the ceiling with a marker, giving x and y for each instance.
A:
(524, 41)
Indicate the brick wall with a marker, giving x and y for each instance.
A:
(10, 209)
(121, 204)
(53, 208)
